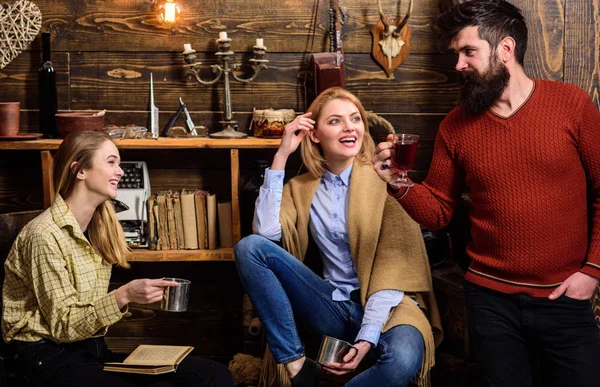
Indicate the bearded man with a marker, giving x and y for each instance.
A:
(527, 151)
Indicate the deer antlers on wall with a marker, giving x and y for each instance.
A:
(391, 41)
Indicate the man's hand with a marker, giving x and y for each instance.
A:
(351, 360)
(578, 286)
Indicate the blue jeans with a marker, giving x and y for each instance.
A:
(285, 292)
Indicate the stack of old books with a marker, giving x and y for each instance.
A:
(188, 219)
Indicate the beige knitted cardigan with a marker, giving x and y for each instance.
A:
(387, 250)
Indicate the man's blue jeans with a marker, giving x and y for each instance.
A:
(284, 292)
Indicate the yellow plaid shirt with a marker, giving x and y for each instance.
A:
(55, 283)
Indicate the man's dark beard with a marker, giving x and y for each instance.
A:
(479, 92)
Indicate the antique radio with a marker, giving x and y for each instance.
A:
(130, 204)
(327, 71)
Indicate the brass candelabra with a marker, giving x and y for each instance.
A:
(227, 68)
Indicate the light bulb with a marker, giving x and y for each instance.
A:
(169, 12)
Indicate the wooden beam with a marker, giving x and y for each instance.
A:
(235, 200)
(47, 172)
(159, 143)
(142, 255)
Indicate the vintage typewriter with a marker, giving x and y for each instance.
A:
(130, 204)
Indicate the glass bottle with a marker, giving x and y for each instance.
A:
(47, 91)
(249, 195)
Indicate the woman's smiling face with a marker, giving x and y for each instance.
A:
(339, 131)
(105, 172)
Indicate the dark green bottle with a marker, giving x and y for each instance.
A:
(47, 91)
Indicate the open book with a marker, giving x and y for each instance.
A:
(151, 359)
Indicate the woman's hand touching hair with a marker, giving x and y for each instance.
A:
(293, 133)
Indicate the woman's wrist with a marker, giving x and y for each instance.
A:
(121, 296)
(279, 161)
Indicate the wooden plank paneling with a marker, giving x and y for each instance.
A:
(545, 51)
(18, 80)
(423, 83)
(20, 181)
(285, 25)
(104, 52)
(20, 189)
(582, 46)
(420, 123)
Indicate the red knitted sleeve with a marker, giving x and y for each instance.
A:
(589, 150)
(432, 203)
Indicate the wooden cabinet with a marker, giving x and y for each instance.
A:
(48, 147)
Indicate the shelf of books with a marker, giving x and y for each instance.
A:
(183, 225)
(144, 255)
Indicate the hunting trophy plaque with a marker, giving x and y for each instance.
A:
(391, 41)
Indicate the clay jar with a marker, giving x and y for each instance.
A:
(270, 123)
(67, 123)
(9, 118)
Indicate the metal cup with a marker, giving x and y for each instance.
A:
(333, 350)
(175, 298)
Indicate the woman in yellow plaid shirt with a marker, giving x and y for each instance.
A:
(57, 308)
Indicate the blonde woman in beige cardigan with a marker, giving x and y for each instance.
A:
(375, 289)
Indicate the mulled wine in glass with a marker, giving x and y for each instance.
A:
(405, 150)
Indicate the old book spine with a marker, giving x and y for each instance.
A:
(188, 213)
(178, 220)
(211, 211)
(152, 240)
(201, 218)
(172, 231)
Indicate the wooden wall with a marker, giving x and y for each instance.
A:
(104, 52)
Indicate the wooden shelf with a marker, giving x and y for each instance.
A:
(220, 255)
(159, 143)
(46, 147)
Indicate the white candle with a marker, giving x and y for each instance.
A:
(222, 35)
(259, 42)
(187, 47)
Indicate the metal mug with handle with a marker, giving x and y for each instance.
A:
(334, 350)
(175, 298)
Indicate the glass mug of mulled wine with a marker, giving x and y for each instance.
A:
(403, 158)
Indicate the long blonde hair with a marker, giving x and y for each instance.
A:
(312, 154)
(105, 232)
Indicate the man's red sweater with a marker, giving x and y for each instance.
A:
(534, 179)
